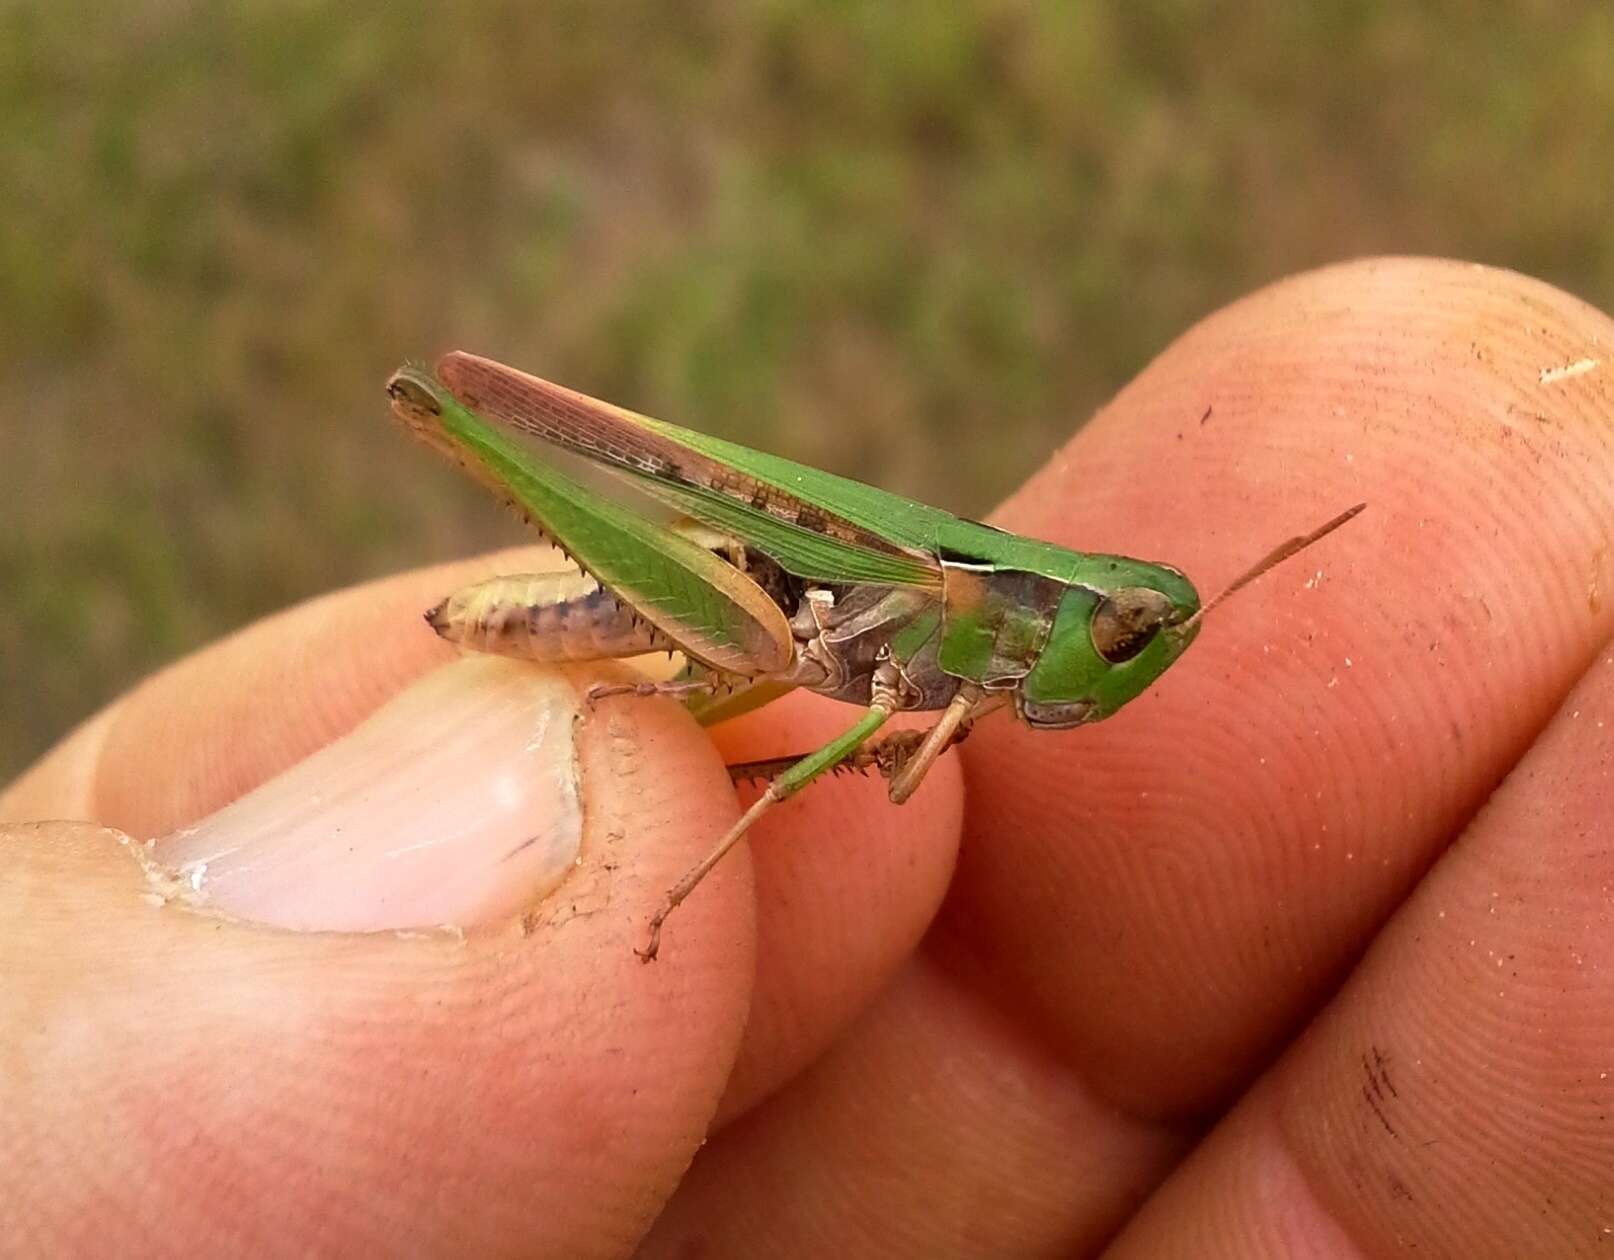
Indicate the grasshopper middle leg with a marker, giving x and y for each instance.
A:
(784, 786)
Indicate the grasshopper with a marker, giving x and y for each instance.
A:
(780, 576)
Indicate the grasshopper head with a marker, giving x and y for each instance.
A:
(1105, 647)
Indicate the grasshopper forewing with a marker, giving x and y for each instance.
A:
(786, 576)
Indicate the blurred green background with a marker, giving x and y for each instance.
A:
(914, 242)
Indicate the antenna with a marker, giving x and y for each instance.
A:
(1275, 557)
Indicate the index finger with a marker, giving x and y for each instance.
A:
(1169, 895)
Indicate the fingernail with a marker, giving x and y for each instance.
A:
(455, 803)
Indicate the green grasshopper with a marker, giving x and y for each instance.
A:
(783, 576)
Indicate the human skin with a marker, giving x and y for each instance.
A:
(1309, 951)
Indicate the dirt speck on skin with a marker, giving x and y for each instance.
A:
(1378, 1090)
(1552, 375)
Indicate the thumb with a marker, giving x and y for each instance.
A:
(456, 802)
(186, 1071)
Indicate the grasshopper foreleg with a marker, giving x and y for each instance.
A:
(952, 727)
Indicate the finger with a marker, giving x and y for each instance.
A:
(936, 1127)
(197, 735)
(1169, 894)
(1453, 1100)
(848, 885)
(1152, 903)
(523, 1084)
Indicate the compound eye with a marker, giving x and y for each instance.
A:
(1127, 621)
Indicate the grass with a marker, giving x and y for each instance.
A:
(918, 243)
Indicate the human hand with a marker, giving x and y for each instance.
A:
(1127, 1020)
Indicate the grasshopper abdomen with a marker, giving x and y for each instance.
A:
(551, 617)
